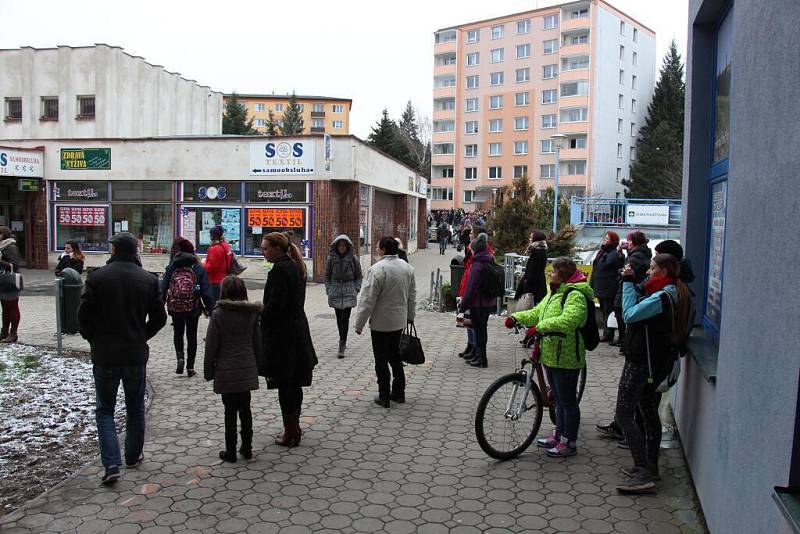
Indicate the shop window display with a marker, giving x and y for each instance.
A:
(196, 223)
(86, 224)
(150, 223)
(260, 221)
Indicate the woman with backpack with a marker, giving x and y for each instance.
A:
(218, 261)
(342, 283)
(654, 324)
(185, 289)
(562, 312)
(475, 300)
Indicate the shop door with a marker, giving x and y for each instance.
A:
(13, 216)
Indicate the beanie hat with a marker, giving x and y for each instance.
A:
(671, 247)
(216, 232)
(479, 244)
(125, 243)
(186, 246)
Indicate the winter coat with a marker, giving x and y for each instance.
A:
(533, 281)
(473, 294)
(403, 255)
(605, 274)
(549, 317)
(465, 275)
(185, 259)
(639, 260)
(218, 261)
(388, 296)
(287, 357)
(68, 261)
(120, 309)
(686, 271)
(654, 313)
(342, 276)
(232, 341)
(9, 260)
(443, 232)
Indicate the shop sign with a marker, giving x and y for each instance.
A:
(280, 158)
(85, 159)
(276, 191)
(28, 185)
(81, 216)
(212, 193)
(275, 217)
(25, 163)
(647, 214)
(65, 191)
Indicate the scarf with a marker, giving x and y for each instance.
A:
(657, 283)
(536, 245)
(5, 243)
(604, 250)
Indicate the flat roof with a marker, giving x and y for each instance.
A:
(282, 97)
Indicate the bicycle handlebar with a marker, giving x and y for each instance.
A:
(519, 327)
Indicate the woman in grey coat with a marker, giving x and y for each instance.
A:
(342, 284)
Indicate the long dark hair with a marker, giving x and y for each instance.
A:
(232, 288)
(5, 232)
(279, 239)
(76, 249)
(673, 269)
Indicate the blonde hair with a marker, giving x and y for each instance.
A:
(279, 240)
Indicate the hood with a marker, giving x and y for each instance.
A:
(184, 259)
(642, 250)
(484, 256)
(582, 286)
(340, 238)
(244, 306)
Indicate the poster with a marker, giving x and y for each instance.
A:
(117, 227)
(124, 226)
(189, 229)
(21, 162)
(648, 214)
(282, 158)
(232, 224)
(208, 220)
(17, 226)
(275, 217)
(719, 199)
(85, 159)
(81, 216)
(205, 238)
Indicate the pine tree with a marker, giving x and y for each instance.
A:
(518, 212)
(415, 133)
(658, 169)
(234, 119)
(272, 129)
(386, 137)
(292, 118)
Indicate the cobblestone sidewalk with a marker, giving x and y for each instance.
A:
(360, 468)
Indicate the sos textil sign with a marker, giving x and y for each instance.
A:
(282, 158)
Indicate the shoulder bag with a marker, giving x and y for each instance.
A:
(410, 346)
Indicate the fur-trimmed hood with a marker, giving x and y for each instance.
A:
(244, 306)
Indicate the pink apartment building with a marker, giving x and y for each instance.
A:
(583, 71)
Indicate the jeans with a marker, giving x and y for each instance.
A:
(11, 315)
(480, 321)
(470, 337)
(188, 322)
(607, 306)
(442, 245)
(291, 400)
(343, 322)
(386, 348)
(564, 385)
(106, 384)
(214, 289)
(237, 403)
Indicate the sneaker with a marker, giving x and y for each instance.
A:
(640, 482)
(611, 430)
(562, 450)
(111, 475)
(623, 444)
(652, 469)
(136, 463)
(549, 442)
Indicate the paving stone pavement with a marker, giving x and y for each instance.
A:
(360, 468)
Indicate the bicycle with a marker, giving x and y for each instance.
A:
(524, 397)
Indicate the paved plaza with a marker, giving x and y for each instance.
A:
(360, 468)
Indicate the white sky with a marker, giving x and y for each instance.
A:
(378, 53)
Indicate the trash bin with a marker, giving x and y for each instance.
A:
(72, 287)
(456, 272)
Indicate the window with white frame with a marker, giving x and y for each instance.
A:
(473, 36)
(338, 125)
(449, 60)
(579, 14)
(619, 150)
(495, 173)
(520, 171)
(576, 142)
(470, 173)
(574, 168)
(522, 99)
(278, 107)
(471, 104)
(621, 101)
(578, 88)
(473, 59)
(470, 151)
(523, 26)
(444, 104)
(260, 123)
(632, 152)
(444, 81)
(338, 108)
(523, 51)
(520, 123)
(633, 129)
(622, 51)
(447, 172)
(496, 78)
(442, 126)
(633, 82)
(635, 57)
(471, 127)
(469, 195)
(621, 76)
(520, 147)
(576, 39)
(635, 35)
(318, 108)
(260, 107)
(549, 121)
(495, 125)
(619, 174)
(548, 147)
(441, 193)
(523, 75)
(619, 125)
(550, 21)
(472, 81)
(444, 149)
(575, 63)
(575, 115)
(549, 71)
(301, 107)
(497, 55)
(496, 102)
(495, 149)
(633, 105)
(621, 27)
(498, 31)
(547, 171)
(549, 96)
(550, 46)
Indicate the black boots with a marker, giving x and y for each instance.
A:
(179, 370)
(479, 360)
(468, 351)
(342, 347)
(246, 450)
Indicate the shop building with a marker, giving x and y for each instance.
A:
(158, 188)
(22, 206)
(321, 114)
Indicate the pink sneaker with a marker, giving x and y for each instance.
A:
(562, 450)
(549, 442)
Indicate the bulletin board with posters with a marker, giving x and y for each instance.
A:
(262, 220)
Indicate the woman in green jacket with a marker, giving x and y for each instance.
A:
(563, 356)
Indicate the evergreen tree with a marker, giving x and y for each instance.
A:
(517, 212)
(234, 118)
(272, 128)
(658, 169)
(386, 137)
(292, 118)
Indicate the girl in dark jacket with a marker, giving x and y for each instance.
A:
(72, 258)
(639, 255)
(342, 283)
(232, 342)
(533, 280)
(9, 297)
(185, 311)
(288, 357)
(479, 305)
(605, 272)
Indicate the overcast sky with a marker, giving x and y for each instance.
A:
(378, 53)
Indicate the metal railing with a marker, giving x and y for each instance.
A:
(659, 212)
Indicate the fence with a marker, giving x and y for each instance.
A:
(663, 212)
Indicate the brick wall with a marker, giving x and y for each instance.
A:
(36, 236)
(422, 224)
(335, 213)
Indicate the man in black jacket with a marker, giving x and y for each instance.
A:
(120, 310)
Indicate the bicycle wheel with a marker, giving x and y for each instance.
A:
(581, 387)
(499, 435)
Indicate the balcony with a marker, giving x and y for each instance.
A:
(317, 129)
(573, 153)
(445, 47)
(573, 127)
(444, 92)
(573, 75)
(444, 114)
(574, 101)
(440, 70)
(442, 159)
(317, 114)
(575, 50)
(572, 179)
(568, 24)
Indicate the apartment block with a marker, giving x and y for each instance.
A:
(583, 72)
(321, 114)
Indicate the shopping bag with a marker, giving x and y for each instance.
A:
(612, 321)
(10, 281)
(410, 346)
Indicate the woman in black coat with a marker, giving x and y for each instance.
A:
(288, 356)
(533, 280)
(639, 255)
(605, 279)
(71, 258)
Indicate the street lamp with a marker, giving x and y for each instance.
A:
(556, 140)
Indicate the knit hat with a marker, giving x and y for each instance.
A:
(216, 232)
(671, 247)
(186, 246)
(479, 244)
(125, 243)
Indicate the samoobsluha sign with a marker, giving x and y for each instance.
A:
(282, 158)
(24, 163)
(647, 214)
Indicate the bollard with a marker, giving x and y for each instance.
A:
(441, 294)
(430, 291)
(59, 294)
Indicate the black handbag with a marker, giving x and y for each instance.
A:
(410, 346)
(11, 281)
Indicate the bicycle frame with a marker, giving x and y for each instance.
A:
(514, 410)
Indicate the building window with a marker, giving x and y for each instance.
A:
(260, 123)
(50, 108)
(497, 55)
(550, 22)
(278, 107)
(548, 147)
(473, 36)
(470, 173)
(635, 35)
(316, 108)
(548, 121)
(619, 150)
(576, 142)
(549, 71)
(621, 52)
(523, 75)
(549, 96)
(520, 147)
(496, 125)
(632, 153)
(86, 224)
(338, 108)
(318, 123)
(471, 104)
(575, 168)
(550, 46)
(468, 196)
(621, 77)
(621, 27)
(633, 129)
(443, 149)
(496, 102)
(338, 125)
(579, 14)
(134, 209)
(13, 109)
(619, 175)
(635, 57)
(577, 39)
(520, 123)
(633, 83)
(473, 59)
(619, 125)
(444, 126)
(520, 171)
(621, 101)
(444, 81)
(301, 107)
(575, 63)
(470, 151)
(496, 78)
(86, 107)
(448, 60)
(633, 105)
(521, 99)
(498, 31)
(495, 149)
(445, 104)
(260, 107)
(580, 88)
(471, 127)
(547, 171)
(523, 51)
(447, 172)
(472, 82)
(495, 173)
(523, 26)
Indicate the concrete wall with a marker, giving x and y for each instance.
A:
(756, 389)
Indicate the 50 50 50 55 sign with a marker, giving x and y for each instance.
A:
(275, 217)
(81, 216)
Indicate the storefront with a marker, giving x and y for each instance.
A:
(21, 171)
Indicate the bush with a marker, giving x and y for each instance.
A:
(448, 298)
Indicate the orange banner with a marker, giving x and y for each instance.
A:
(275, 217)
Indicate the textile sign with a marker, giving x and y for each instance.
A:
(275, 217)
(81, 216)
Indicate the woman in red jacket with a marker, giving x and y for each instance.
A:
(218, 261)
